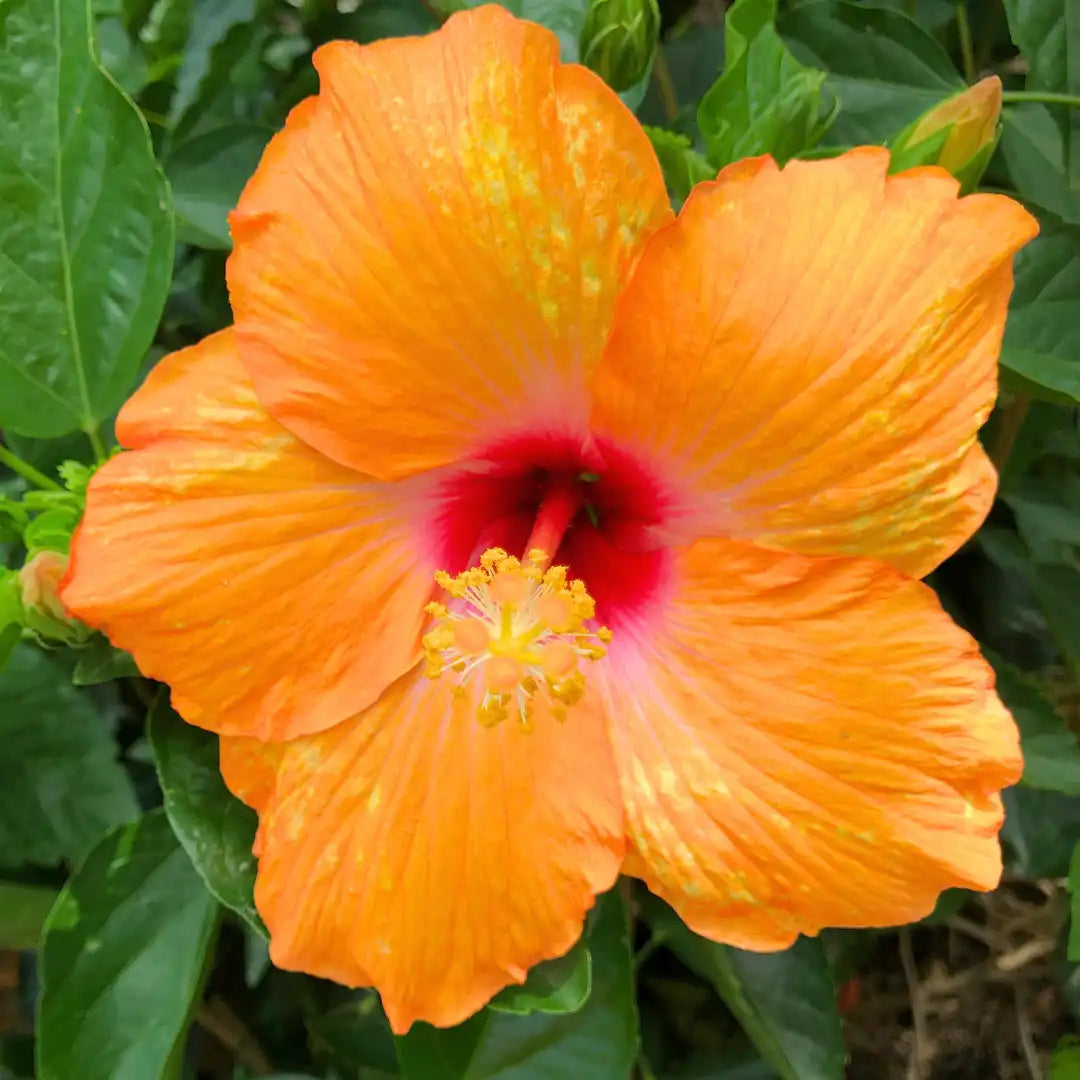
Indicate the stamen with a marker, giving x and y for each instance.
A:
(519, 629)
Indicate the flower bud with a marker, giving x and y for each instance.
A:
(618, 40)
(959, 134)
(43, 611)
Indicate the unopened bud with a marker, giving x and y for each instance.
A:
(959, 134)
(618, 40)
(40, 581)
(43, 611)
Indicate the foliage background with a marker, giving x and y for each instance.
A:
(129, 946)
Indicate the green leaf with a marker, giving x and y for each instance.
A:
(726, 1065)
(1051, 753)
(23, 910)
(166, 29)
(1034, 155)
(10, 614)
(599, 1042)
(1039, 832)
(683, 166)
(564, 18)
(765, 101)
(785, 1001)
(933, 15)
(556, 986)
(1057, 589)
(1047, 33)
(1042, 335)
(62, 784)
(123, 958)
(1065, 1064)
(207, 174)
(884, 69)
(52, 529)
(135, 13)
(211, 21)
(100, 662)
(86, 233)
(1038, 29)
(1048, 434)
(377, 19)
(122, 57)
(1047, 515)
(216, 829)
(694, 53)
(236, 86)
(1073, 885)
(357, 1033)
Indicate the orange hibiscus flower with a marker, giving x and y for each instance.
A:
(467, 320)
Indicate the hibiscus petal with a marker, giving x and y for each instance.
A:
(805, 743)
(249, 768)
(429, 254)
(817, 347)
(276, 592)
(415, 850)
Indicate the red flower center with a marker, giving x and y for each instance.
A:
(593, 506)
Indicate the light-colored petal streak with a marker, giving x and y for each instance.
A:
(414, 850)
(430, 253)
(805, 743)
(817, 347)
(276, 592)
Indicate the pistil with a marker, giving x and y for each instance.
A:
(558, 508)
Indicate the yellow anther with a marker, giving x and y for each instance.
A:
(569, 690)
(520, 631)
(555, 578)
(492, 557)
(493, 710)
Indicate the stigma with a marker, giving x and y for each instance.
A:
(516, 634)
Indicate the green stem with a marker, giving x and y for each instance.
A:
(967, 51)
(650, 946)
(100, 453)
(665, 87)
(1043, 97)
(27, 471)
